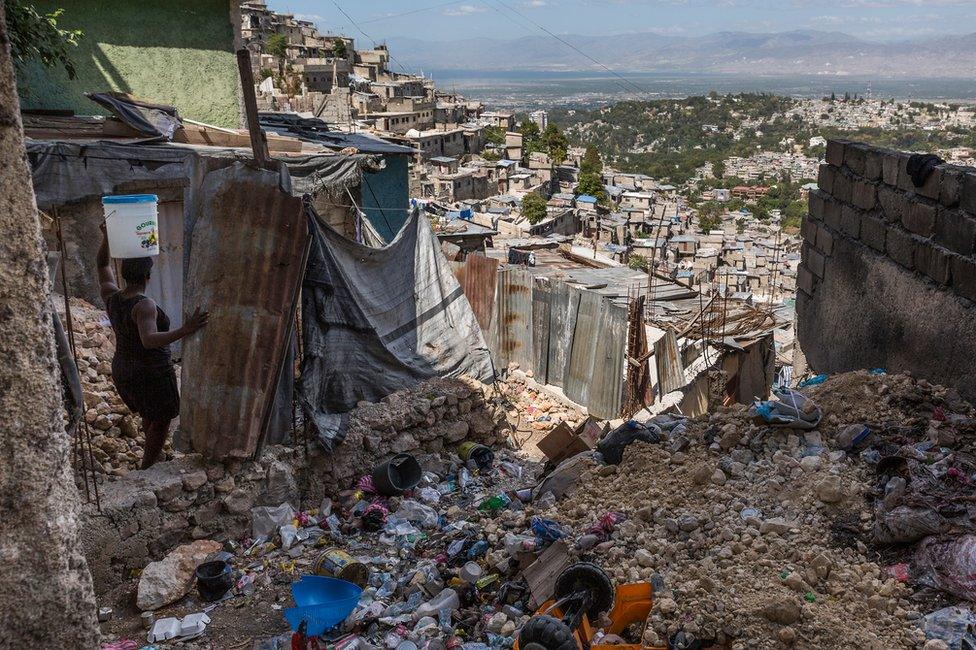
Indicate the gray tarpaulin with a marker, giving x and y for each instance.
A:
(376, 320)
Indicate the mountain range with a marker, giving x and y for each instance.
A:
(776, 53)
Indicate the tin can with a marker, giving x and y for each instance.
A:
(336, 563)
(482, 455)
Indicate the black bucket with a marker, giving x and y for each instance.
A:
(214, 579)
(397, 475)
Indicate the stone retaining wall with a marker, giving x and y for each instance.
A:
(148, 512)
(888, 273)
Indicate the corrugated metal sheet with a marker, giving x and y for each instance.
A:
(476, 275)
(246, 263)
(541, 307)
(562, 318)
(667, 358)
(586, 333)
(513, 318)
(606, 393)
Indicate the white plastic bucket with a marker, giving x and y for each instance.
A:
(132, 224)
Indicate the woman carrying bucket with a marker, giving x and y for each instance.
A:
(142, 368)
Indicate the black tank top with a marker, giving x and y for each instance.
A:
(129, 350)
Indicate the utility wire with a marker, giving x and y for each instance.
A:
(570, 45)
(410, 13)
(370, 38)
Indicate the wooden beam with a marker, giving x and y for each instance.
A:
(259, 145)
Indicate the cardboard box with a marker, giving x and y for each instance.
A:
(564, 442)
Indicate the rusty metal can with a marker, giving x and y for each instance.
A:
(336, 563)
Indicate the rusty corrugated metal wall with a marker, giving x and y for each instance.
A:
(606, 394)
(476, 275)
(246, 263)
(513, 319)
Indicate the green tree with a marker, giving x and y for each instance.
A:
(591, 163)
(533, 208)
(709, 222)
(638, 263)
(494, 135)
(718, 169)
(590, 183)
(37, 37)
(531, 140)
(555, 143)
(339, 50)
(277, 45)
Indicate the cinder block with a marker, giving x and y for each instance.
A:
(919, 218)
(951, 188)
(900, 246)
(832, 214)
(804, 279)
(808, 230)
(904, 180)
(850, 221)
(893, 203)
(843, 187)
(891, 167)
(967, 199)
(932, 186)
(964, 277)
(815, 261)
(854, 157)
(825, 240)
(825, 179)
(873, 231)
(933, 261)
(864, 195)
(815, 205)
(874, 163)
(955, 230)
(835, 152)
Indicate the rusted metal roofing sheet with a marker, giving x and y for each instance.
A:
(585, 335)
(476, 275)
(541, 307)
(513, 314)
(607, 378)
(246, 262)
(667, 358)
(562, 317)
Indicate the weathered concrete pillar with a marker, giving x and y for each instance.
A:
(46, 597)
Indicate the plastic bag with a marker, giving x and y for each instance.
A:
(793, 410)
(614, 443)
(954, 625)
(417, 513)
(265, 520)
(949, 566)
(905, 524)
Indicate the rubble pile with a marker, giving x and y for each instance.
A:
(835, 514)
(762, 536)
(531, 408)
(116, 432)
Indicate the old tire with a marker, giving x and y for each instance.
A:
(546, 633)
(586, 576)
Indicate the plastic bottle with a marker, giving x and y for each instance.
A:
(447, 599)
(495, 503)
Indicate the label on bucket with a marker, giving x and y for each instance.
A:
(148, 234)
(336, 563)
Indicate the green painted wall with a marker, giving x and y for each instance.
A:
(177, 52)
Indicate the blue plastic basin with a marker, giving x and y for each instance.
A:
(322, 602)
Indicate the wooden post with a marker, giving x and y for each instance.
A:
(259, 144)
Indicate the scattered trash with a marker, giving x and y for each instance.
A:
(612, 447)
(954, 625)
(792, 410)
(104, 614)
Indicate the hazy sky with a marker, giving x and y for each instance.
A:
(430, 19)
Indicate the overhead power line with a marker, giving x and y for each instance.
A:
(411, 12)
(625, 80)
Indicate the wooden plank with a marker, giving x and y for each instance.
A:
(258, 143)
(245, 265)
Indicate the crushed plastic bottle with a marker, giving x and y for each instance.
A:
(447, 600)
(495, 503)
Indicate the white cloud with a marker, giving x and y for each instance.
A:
(314, 18)
(464, 10)
(533, 4)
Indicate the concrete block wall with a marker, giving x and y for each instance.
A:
(148, 512)
(888, 272)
